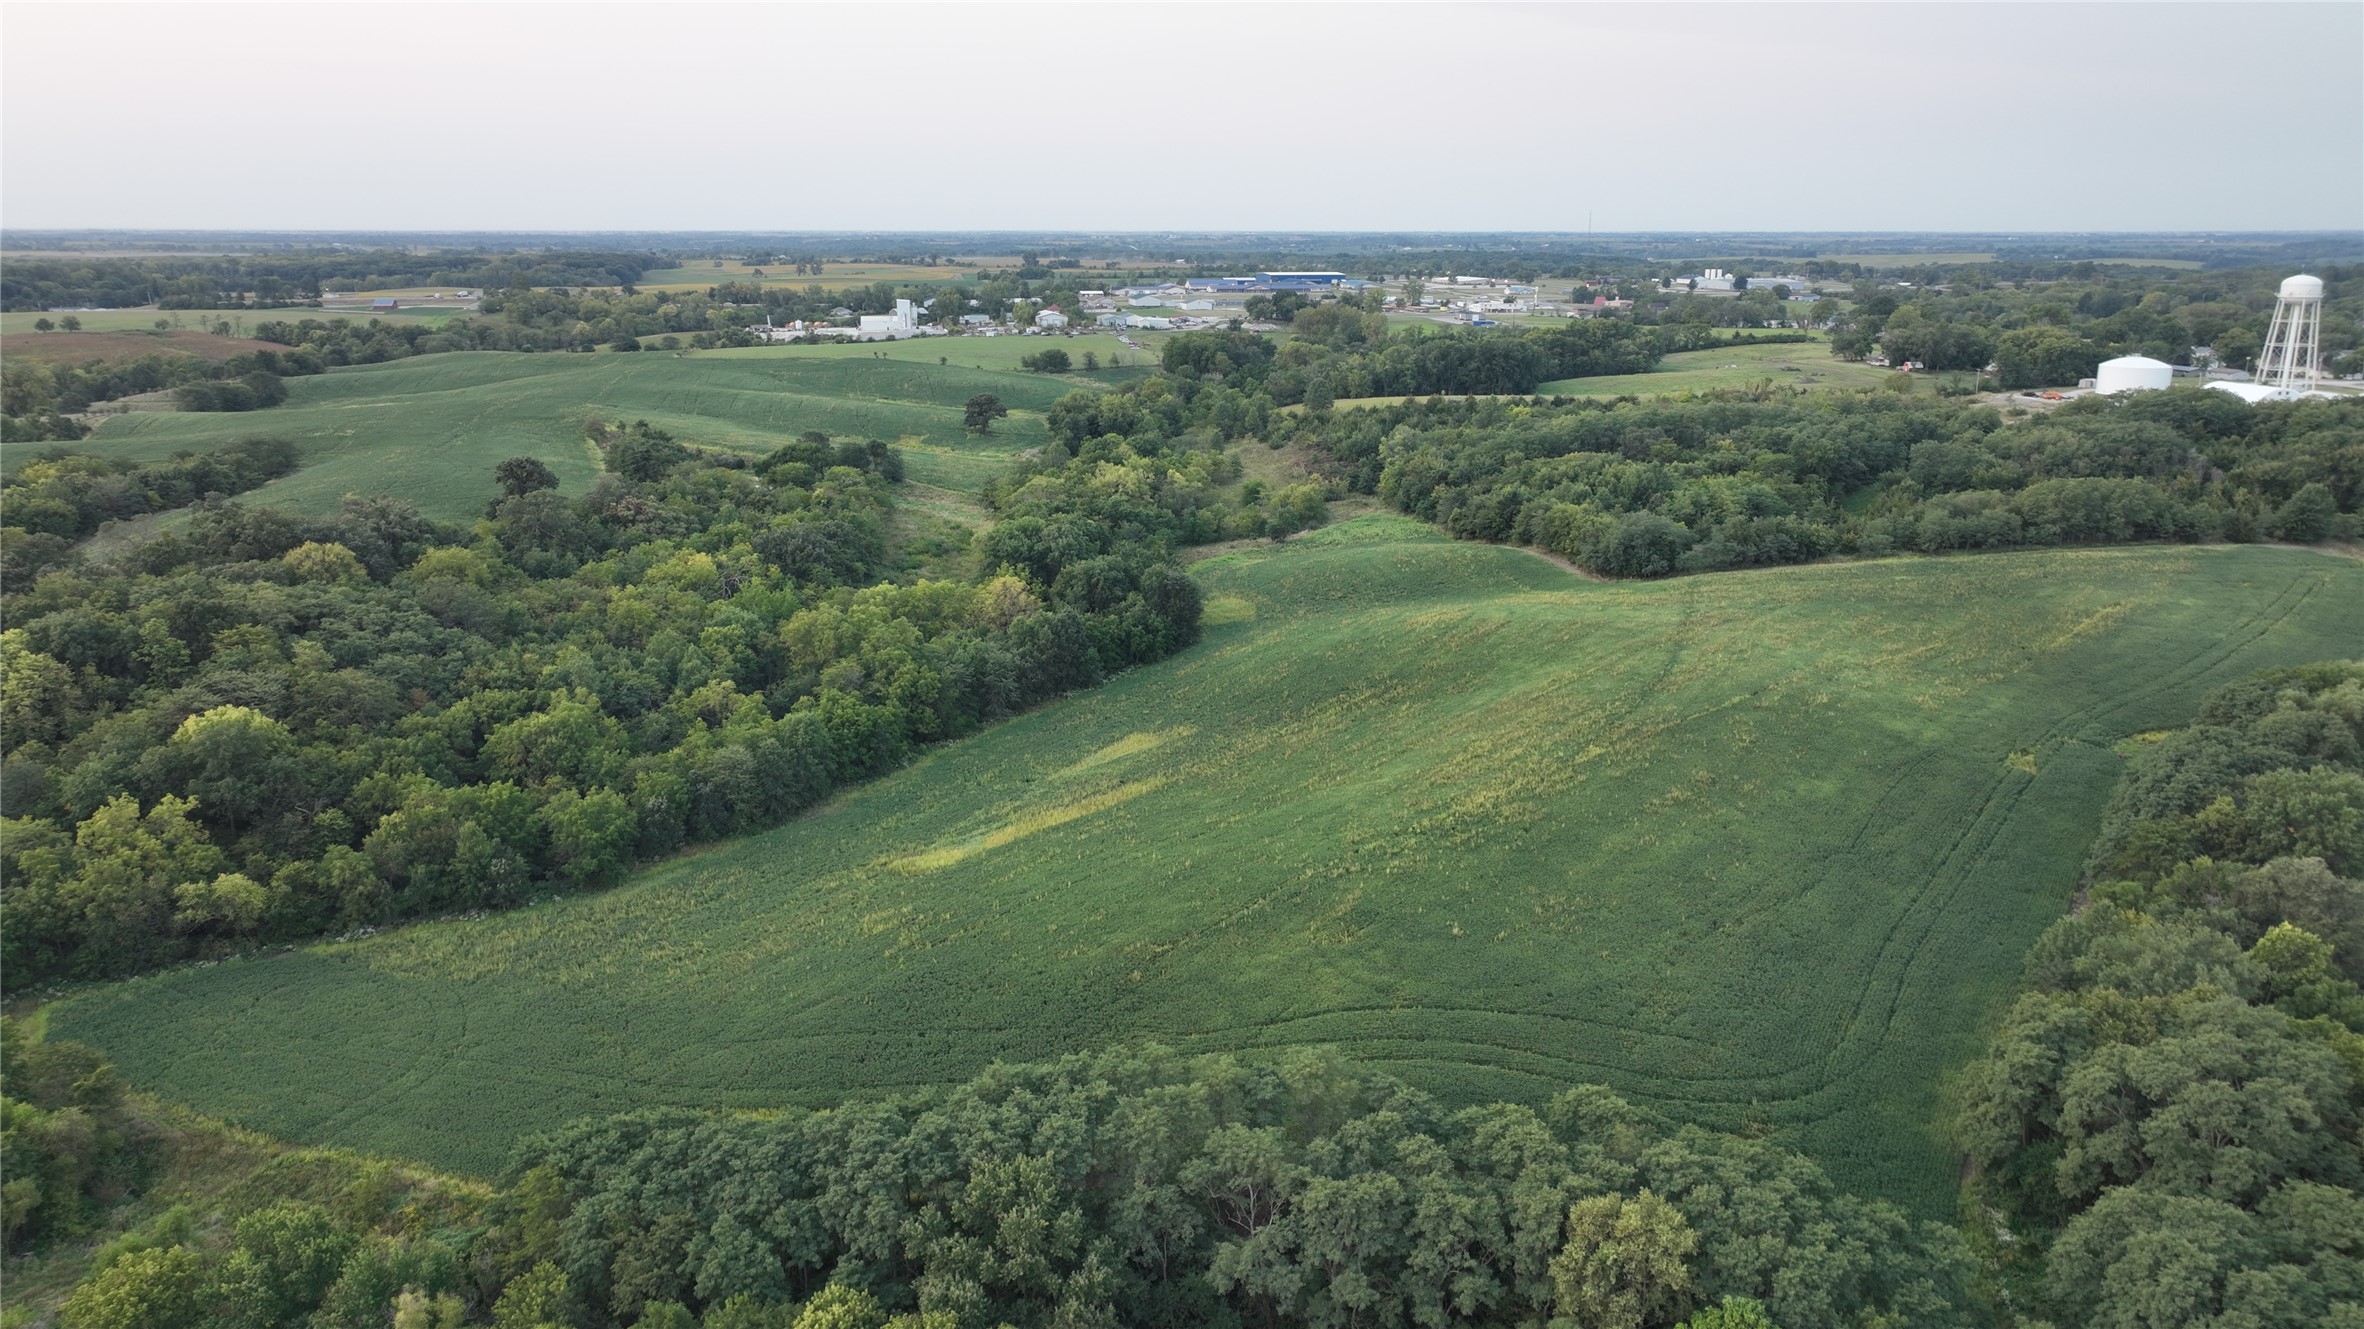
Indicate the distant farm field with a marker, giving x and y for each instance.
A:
(1785, 364)
(1761, 849)
(973, 351)
(431, 428)
(1911, 260)
(73, 348)
(833, 276)
(242, 321)
(1782, 364)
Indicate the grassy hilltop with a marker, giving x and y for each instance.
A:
(432, 428)
(1760, 848)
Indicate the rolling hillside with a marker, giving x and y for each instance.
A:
(431, 428)
(1762, 849)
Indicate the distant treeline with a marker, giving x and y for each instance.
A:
(1643, 489)
(2165, 1128)
(59, 496)
(264, 280)
(1230, 383)
(2055, 334)
(36, 397)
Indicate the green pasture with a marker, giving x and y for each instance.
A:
(431, 428)
(1785, 364)
(1761, 849)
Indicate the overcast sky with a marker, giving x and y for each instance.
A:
(1143, 117)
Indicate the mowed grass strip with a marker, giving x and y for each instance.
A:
(431, 428)
(1761, 849)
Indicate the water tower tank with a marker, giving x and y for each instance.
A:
(2132, 373)
(2302, 287)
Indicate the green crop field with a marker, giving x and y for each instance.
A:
(1786, 364)
(431, 428)
(1763, 849)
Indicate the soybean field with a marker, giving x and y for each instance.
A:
(431, 428)
(1760, 849)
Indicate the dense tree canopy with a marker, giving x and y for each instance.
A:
(1146, 1189)
(2168, 1118)
(1648, 488)
(265, 726)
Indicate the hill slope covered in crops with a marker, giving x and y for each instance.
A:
(1761, 849)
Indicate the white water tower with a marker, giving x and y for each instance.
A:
(2292, 360)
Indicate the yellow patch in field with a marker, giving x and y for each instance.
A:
(2097, 621)
(1018, 828)
(1221, 609)
(1130, 744)
(2022, 761)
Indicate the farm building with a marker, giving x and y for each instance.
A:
(383, 305)
(904, 322)
(1050, 318)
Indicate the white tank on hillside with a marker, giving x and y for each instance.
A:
(2133, 373)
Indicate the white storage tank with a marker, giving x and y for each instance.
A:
(2133, 373)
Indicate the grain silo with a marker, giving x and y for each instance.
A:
(2133, 373)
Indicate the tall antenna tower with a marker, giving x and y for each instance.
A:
(2292, 360)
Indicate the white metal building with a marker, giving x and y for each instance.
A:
(904, 322)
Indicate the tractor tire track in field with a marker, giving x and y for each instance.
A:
(1996, 812)
(1957, 866)
(1954, 864)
